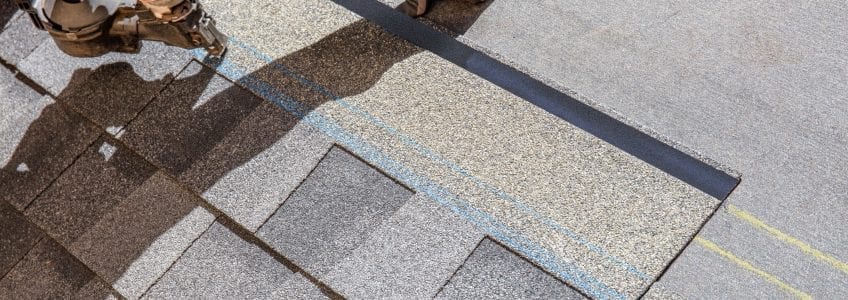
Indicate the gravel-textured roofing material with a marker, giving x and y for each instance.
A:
(332, 213)
(587, 211)
(98, 182)
(19, 38)
(156, 223)
(231, 268)
(55, 71)
(49, 272)
(493, 272)
(186, 121)
(759, 88)
(410, 256)
(17, 236)
(43, 139)
(40, 139)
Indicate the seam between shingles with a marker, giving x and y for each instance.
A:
(156, 96)
(173, 263)
(579, 291)
(61, 173)
(245, 234)
(689, 241)
(297, 187)
(249, 237)
(21, 258)
(464, 261)
(45, 236)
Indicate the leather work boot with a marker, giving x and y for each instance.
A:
(414, 8)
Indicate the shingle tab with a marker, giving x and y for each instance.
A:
(332, 212)
(110, 89)
(17, 236)
(258, 165)
(19, 37)
(493, 272)
(40, 140)
(188, 119)
(410, 256)
(222, 265)
(156, 223)
(48, 272)
(105, 174)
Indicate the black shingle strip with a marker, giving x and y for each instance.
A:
(679, 164)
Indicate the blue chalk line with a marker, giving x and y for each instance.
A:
(532, 250)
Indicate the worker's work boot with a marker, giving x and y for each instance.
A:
(414, 8)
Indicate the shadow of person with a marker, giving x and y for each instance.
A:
(198, 129)
(346, 62)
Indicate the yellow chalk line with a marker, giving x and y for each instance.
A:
(806, 248)
(748, 266)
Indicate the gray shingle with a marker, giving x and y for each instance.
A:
(156, 223)
(410, 256)
(109, 89)
(40, 139)
(258, 165)
(19, 38)
(493, 272)
(94, 185)
(222, 265)
(332, 212)
(17, 236)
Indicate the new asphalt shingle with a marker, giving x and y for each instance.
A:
(17, 236)
(220, 264)
(19, 38)
(40, 139)
(493, 272)
(410, 256)
(187, 120)
(49, 272)
(156, 223)
(497, 159)
(98, 182)
(332, 213)
(110, 90)
(258, 165)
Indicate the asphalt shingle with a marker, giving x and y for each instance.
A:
(758, 87)
(220, 264)
(610, 220)
(156, 223)
(258, 165)
(40, 139)
(19, 38)
(17, 236)
(7, 13)
(111, 89)
(188, 119)
(410, 256)
(105, 174)
(332, 212)
(49, 272)
(493, 272)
